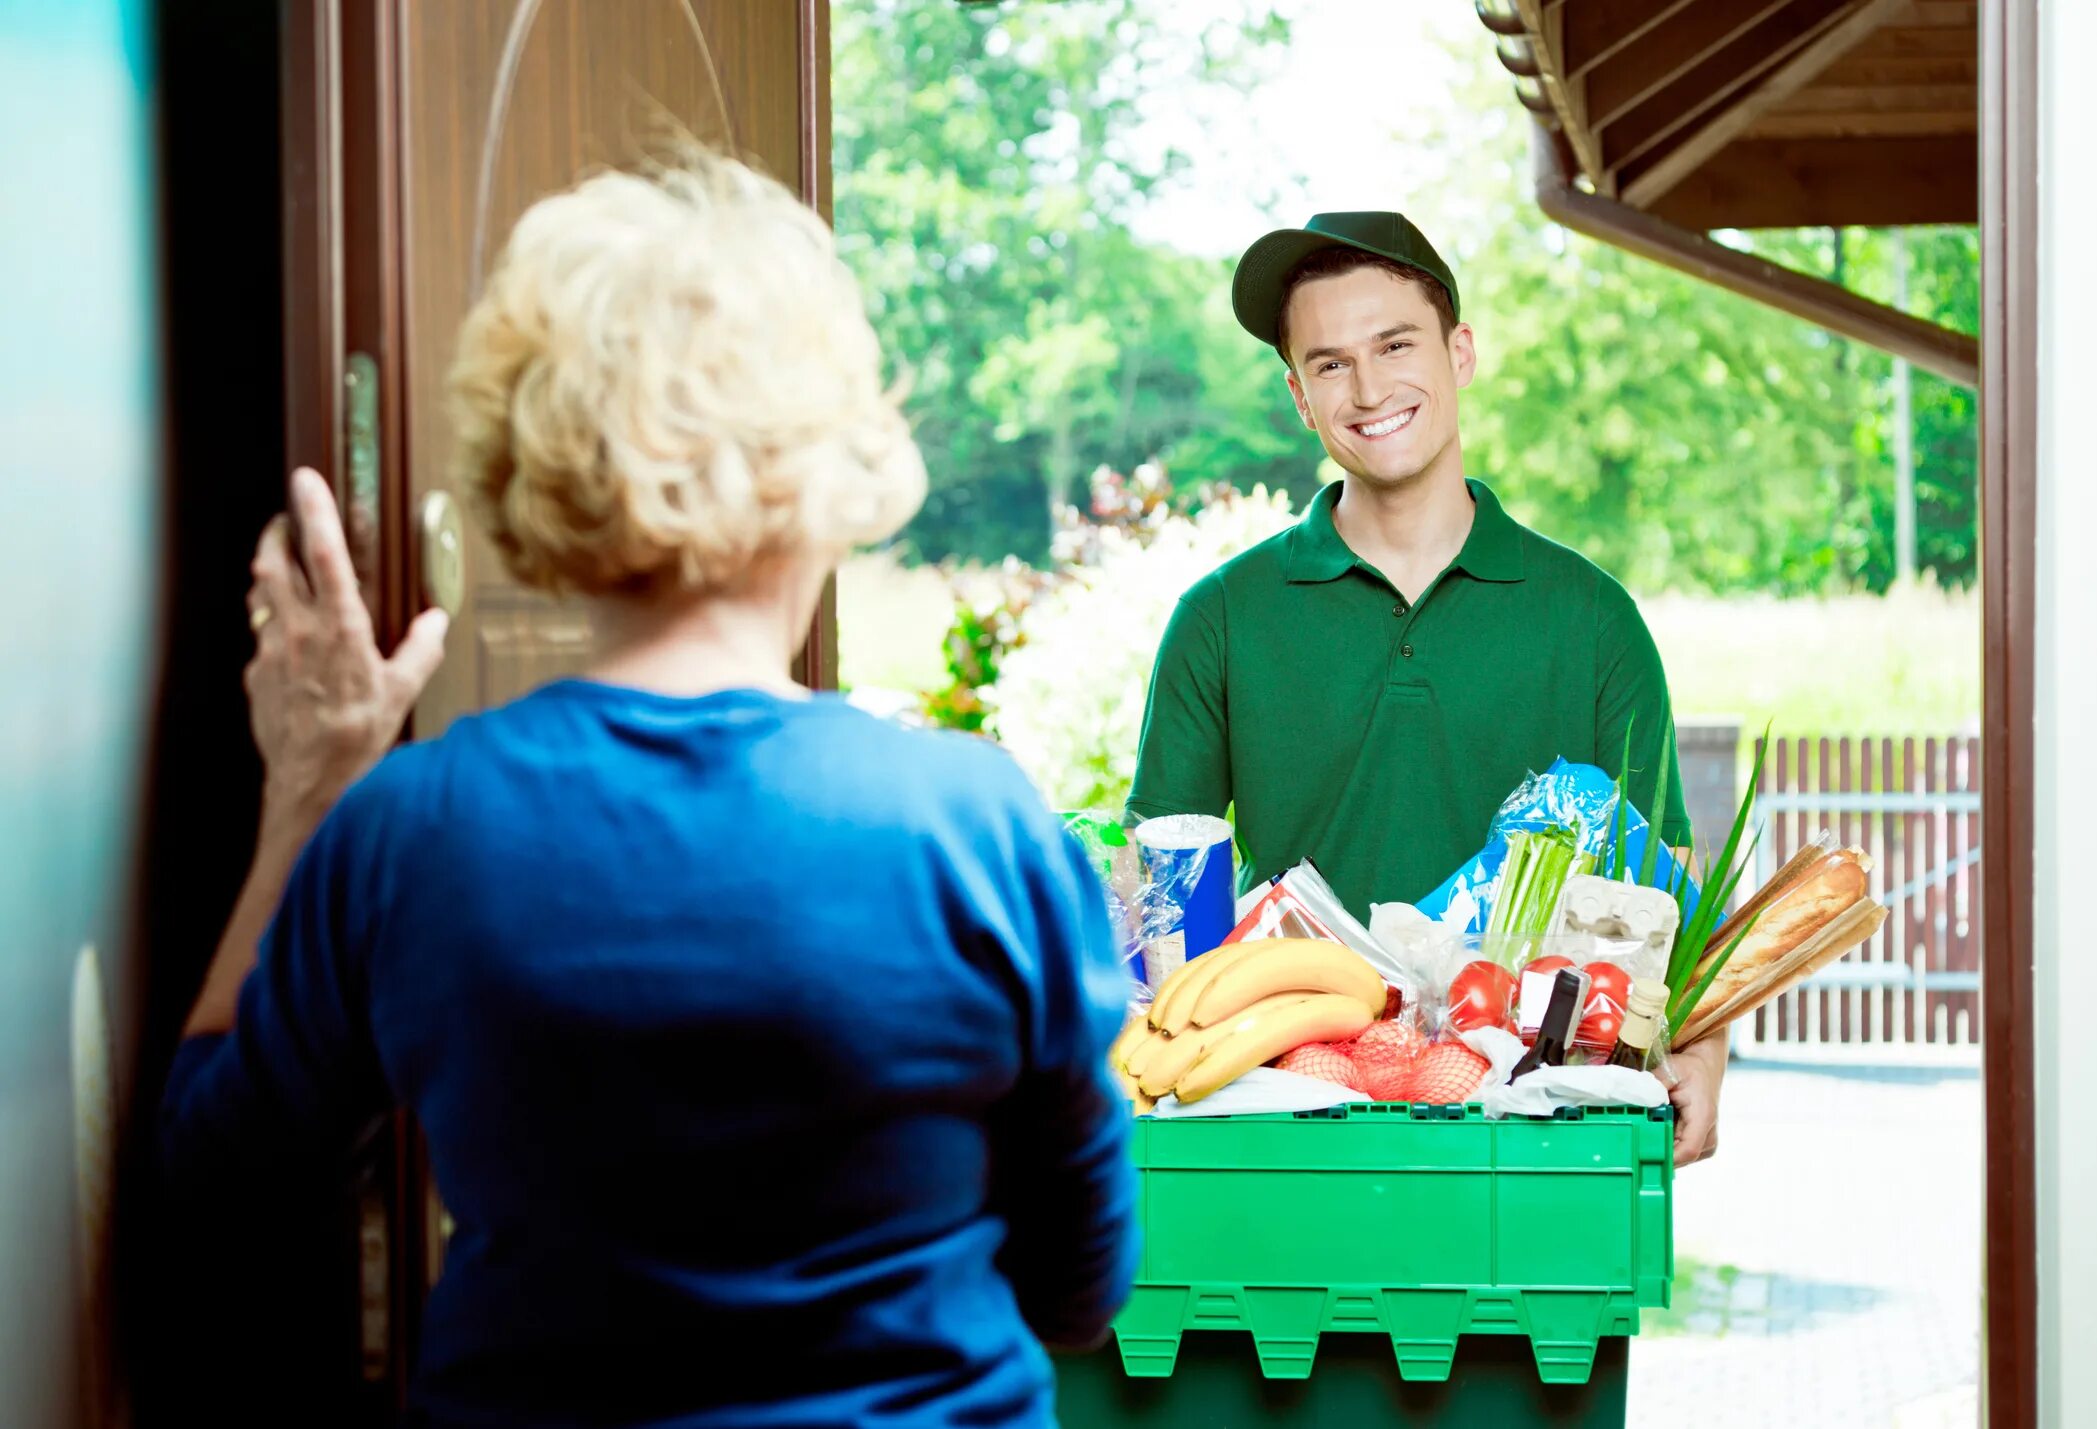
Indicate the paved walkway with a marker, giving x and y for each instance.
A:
(1830, 1258)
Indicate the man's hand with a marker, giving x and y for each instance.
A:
(1701, 1066)
(324, 704)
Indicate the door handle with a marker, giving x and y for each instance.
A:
(443, 552)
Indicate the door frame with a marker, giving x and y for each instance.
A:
(334, 167)
(817, 665)
(2009, 451)
(341, 296)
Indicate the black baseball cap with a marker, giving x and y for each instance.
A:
(1256, 289)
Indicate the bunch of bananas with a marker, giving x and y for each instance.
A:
(1241, 1007)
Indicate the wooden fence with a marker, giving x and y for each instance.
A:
(1914, 804)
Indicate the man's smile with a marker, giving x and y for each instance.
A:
(1385, 426)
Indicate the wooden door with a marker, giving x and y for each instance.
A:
(503, 101)
(415, 133)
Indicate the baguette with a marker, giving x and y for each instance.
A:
(1764, 981)
(1849, 928)
(1781, 882)
(1837, 882)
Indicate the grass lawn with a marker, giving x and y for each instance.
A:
(1898, 664)
(891, 625)
(1906, 663)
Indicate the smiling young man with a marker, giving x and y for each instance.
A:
(1367, 687)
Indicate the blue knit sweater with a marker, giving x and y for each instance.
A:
(759, 1046)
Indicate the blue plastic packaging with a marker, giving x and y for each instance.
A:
(1572, 796)
(1189, 857)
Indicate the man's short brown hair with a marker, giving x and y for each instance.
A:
(1332, 262)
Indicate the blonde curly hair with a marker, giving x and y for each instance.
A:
(669, 377)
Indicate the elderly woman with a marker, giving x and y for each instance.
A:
(760, 1046)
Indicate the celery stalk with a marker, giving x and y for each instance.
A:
(1532, 885)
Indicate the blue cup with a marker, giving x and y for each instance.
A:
(1191, 863)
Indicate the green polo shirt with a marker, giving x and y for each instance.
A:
(1376, 733)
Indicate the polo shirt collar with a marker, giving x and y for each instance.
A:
(1492, 552)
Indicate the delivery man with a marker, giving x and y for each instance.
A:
(1367, 687)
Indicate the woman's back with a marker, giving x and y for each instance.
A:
(743, 1030)
(760, 1046)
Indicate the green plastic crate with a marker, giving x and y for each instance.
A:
(1218, 1386)
(1420, 1223)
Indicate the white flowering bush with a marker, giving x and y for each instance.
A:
(1068, 698)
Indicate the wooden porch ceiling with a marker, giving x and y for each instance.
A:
(1758, 113)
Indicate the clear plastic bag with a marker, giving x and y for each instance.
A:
(1428, 957)
(1188, 870)
(1301, 904)
(1471, 981)
(1279, 913)
(1145, 899)
(1610, 967)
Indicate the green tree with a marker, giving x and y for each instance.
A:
(986, 180)
(1943, 286)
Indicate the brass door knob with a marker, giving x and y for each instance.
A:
(443, 553)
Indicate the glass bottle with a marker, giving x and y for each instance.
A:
(1642, 1009)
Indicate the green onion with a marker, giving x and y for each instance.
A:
(1693, 931)
(1619, 821)
(1686, 1003)
(1721, 879)
(1658, 813)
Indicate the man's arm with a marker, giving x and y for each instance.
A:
(1702, 1068)
(1183, 762)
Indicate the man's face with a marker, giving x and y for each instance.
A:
(1373, 376)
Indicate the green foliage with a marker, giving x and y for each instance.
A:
(1906, 662)
(1687, 438)
(1073, 653)
(1695, 929)
(986, 180)
(1125, 513)
(1721, 879)
(988, 607)
(990, 163)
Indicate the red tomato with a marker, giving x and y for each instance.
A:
(1608, 983)
(1608, 993)
(1548, 965)
(1480, 995)
(1598, 1030)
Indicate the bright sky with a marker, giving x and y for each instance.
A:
(1359, 74)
